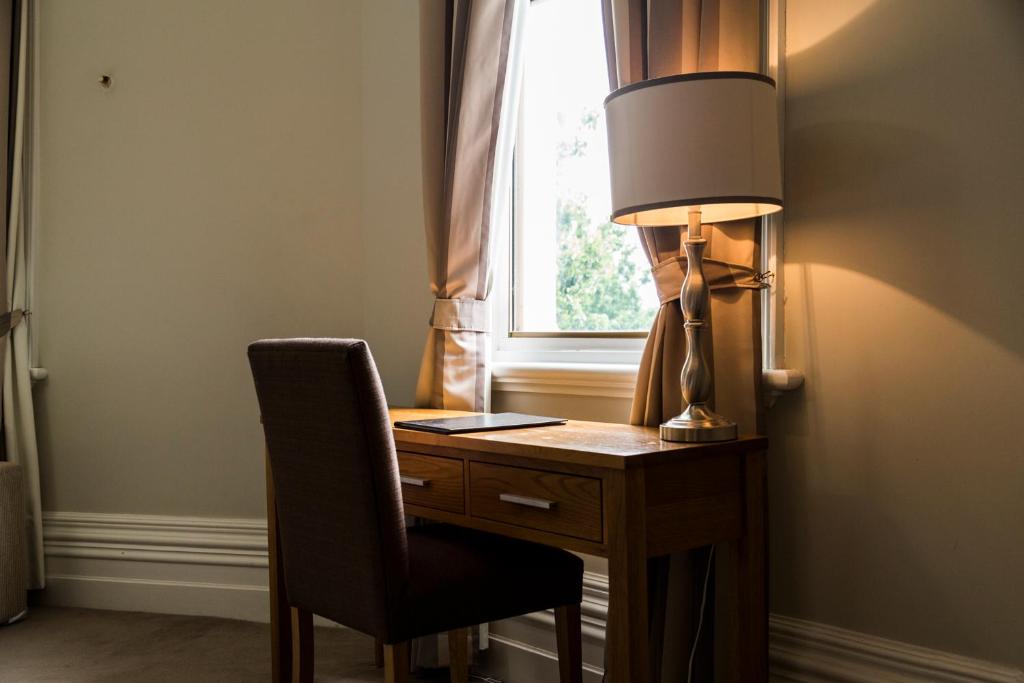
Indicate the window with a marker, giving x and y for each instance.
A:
(573, 288)
(572, 273)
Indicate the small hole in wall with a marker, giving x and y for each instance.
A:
(106, 81)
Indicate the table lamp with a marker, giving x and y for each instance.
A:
(685, 149)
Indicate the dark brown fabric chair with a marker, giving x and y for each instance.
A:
(347, 553)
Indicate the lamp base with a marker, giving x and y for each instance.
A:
(697, 424)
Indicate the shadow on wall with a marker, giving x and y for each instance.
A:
(931, 601)
(929, 123)
(903, 171)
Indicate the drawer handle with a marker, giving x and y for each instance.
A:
(413, 481)
(527, 501)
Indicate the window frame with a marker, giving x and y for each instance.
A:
(524, 346)
(625, 348)
(511, 346)
(514, 260)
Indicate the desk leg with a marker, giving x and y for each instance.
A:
(657, 602)
(627, 657)
(280, 613)
(752, 578)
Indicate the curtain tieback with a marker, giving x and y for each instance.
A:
(669, 275)
(10, 320)
(469, 315)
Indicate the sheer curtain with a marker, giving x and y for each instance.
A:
(468, 138)
(18, 416)
(650, 39)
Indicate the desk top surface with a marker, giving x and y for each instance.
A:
(602, 444)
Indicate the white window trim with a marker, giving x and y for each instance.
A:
(556, 350)
(776, 376)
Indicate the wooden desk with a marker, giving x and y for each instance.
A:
(611, 490)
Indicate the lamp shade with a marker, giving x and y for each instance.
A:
(707, 140)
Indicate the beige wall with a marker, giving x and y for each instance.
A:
(210, 197)
(397, 299)
(897, 474)
(250, 160)
(288, 157)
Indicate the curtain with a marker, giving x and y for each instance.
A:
(18, 418)
(467, 140)
(650, 39)
(470, 72)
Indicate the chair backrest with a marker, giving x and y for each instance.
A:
(335, 472)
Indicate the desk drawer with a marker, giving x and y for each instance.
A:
(432, 481)
(548, 501)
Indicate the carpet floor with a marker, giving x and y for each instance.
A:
(65, 645)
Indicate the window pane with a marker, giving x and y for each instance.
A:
(574, 269)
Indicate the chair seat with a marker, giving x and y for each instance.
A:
(460, 577)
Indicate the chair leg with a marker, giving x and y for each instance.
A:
(458, 654)
(570, 645)
(302, 646)
(396, 662)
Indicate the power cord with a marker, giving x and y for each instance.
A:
(700, 620)
(700, 624)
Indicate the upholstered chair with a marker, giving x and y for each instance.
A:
(347, 552)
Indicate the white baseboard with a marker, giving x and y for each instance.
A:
(799, 652)
(808, 652)
(149, 563)
(509, 659)
(153, 538)
(217, 567)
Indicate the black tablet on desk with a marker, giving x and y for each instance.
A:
(486, 422)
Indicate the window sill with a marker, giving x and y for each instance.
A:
(605, 380)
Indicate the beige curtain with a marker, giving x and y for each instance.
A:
(468, 139)
(650, 39)
(470, 71)
(19, 433)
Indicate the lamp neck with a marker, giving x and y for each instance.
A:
(693, 224)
